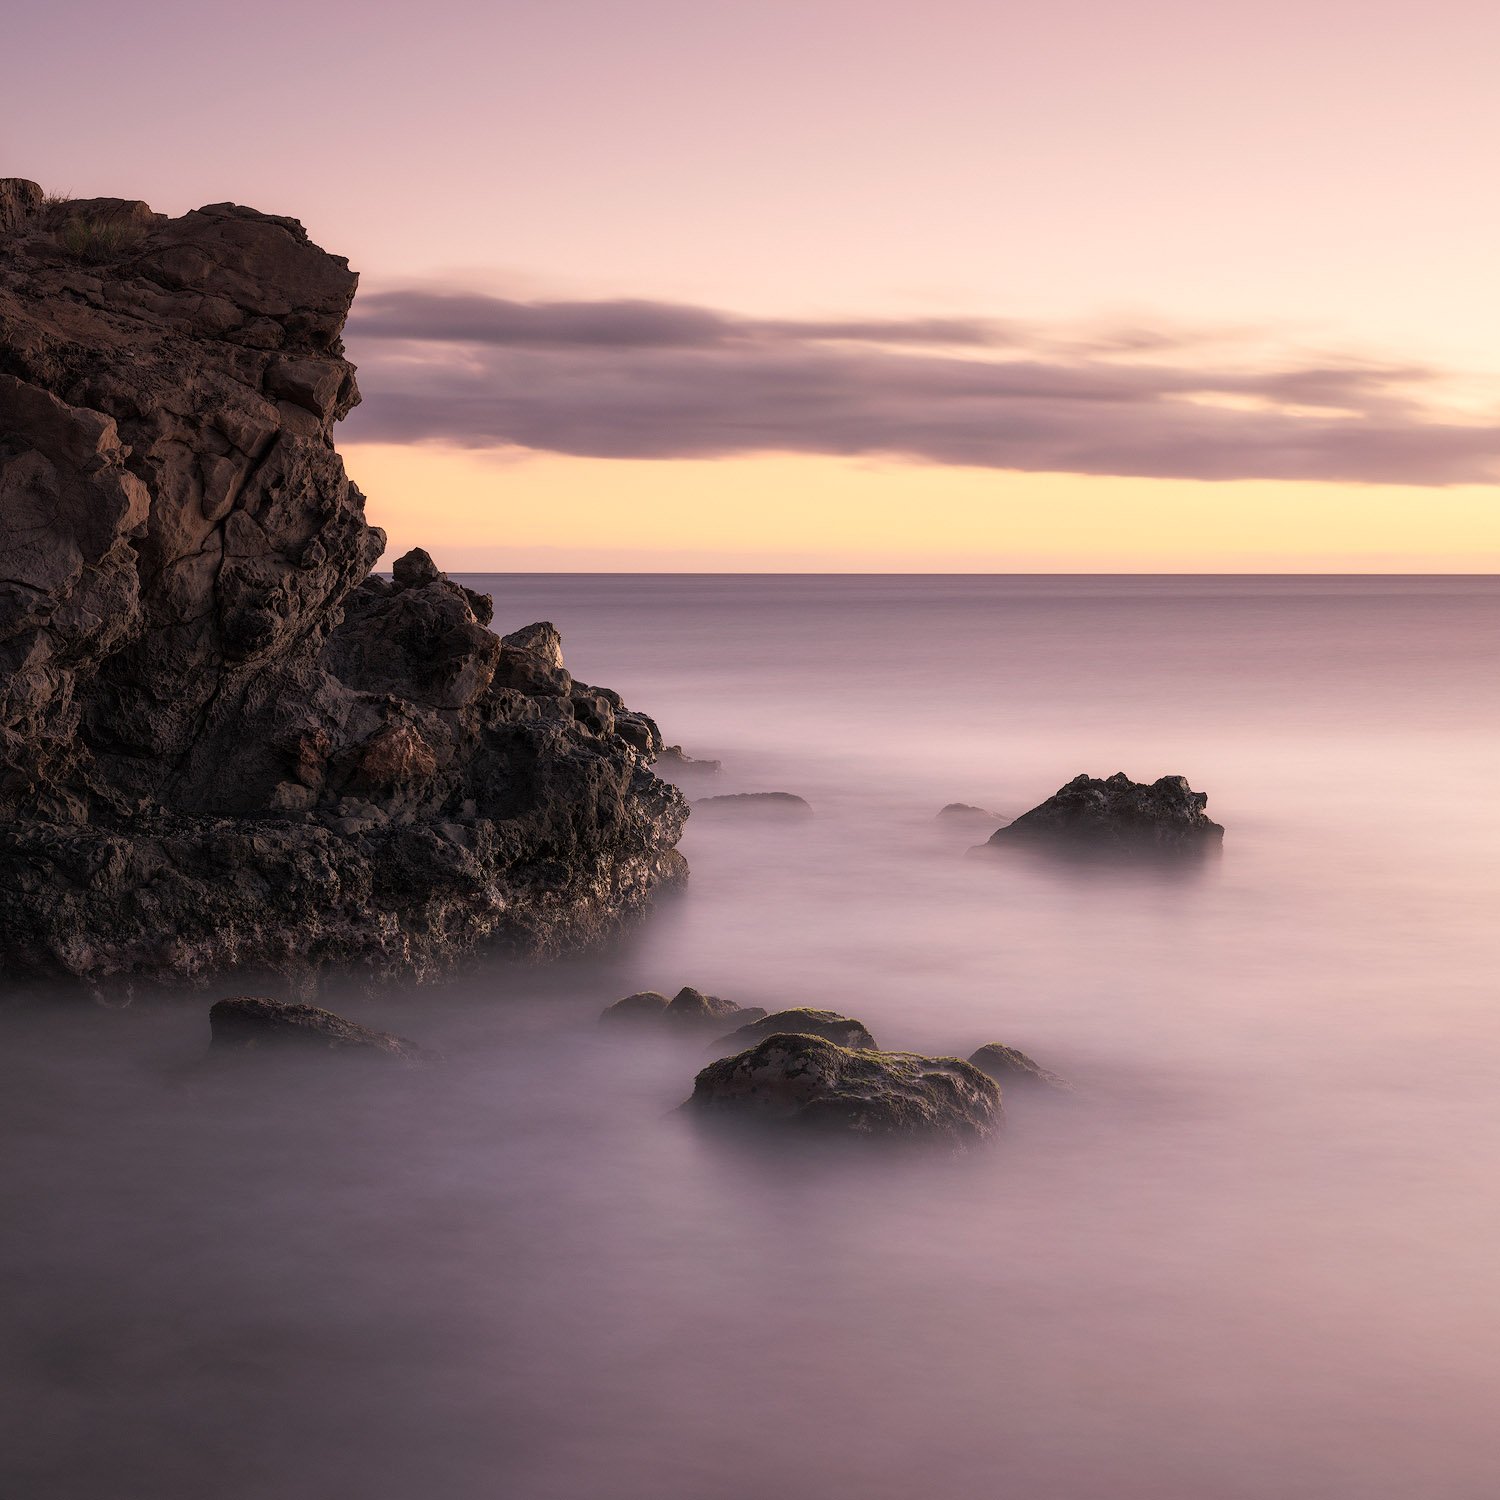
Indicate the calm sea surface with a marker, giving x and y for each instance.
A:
(1253, 1255)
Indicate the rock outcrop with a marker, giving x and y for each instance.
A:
(815, 1085)
(1117, 815)
(803, 1020)
(222, 740)
(251, 1023)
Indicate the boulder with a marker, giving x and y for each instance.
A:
(802, 1020)
(541, 639)
(1117, 815)
(1007, 1065)
(255, 1024)
(223, 739)
(771, 805)
(810, 1084)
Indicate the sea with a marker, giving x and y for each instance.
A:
(1251, 1253)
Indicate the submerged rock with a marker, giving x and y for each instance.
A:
(812, 1084)
(688, 1008)
(760, 804)
(252, 1023)
(223, 740)
(828, 1024)
(1009, 1065)
(1117, 815)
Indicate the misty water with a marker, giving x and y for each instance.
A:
(1252, 1254)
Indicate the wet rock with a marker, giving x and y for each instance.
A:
(223, 739)
(1117, 815)
(1007, 1065)
(769, 805)
(252, 1023)
(815, 1085)
(803, 1020)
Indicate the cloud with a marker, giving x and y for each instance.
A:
(643, 379)
(467, 317)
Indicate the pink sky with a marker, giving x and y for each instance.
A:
(1287, 186)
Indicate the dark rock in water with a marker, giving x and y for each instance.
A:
(1008, 1065)
(250, 1023)
(223, 741)
(828, 1024)
(815, 1085)
(645, 1005)
(1117, 815)
(758, 804)
(673, 759)
(688, 1008)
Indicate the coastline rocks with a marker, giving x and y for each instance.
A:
(768, 805)
(687, 1009)
(802, 1020)
(1007, 1065)
(223, 740)
(809, 1084)
(1117, 815)
(255, 1024)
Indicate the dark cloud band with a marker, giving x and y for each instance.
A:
(639, 379)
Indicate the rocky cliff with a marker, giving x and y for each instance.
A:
(222, 740)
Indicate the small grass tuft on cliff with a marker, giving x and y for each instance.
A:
(95, 241)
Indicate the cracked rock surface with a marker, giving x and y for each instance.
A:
(223, 742)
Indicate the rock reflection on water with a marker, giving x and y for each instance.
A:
(1250, 1254)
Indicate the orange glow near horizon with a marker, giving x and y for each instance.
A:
(529, 512)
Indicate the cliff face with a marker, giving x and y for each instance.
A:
(221, 740)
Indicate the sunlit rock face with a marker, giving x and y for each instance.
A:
(222, 741)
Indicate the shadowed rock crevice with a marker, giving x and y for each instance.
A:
(222, 740)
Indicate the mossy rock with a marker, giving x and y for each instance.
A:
(802, 1020)
(808, 1084)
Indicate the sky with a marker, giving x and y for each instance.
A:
(856, 284)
